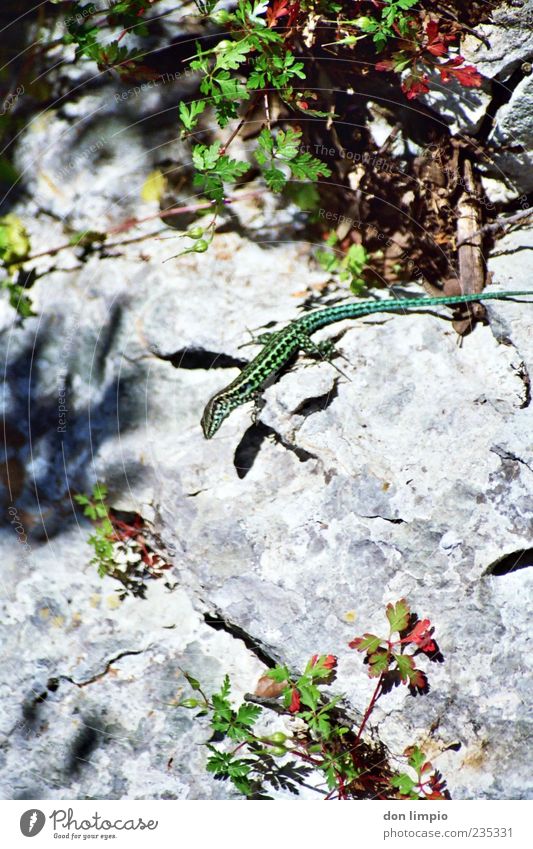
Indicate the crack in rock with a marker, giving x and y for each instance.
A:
(501, 94)
(384, 518)
(219, 622)
(521, 369)
(523, 374)
(508, 455)
(104, 672)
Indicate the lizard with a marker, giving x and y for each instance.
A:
(280, 346)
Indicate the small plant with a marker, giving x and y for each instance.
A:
(97, 35)
(427, 784)
(322, 738)
(348, 267)
(14, 250)
(426, 50)
(94, 508)
(123, 550)
(261, 66)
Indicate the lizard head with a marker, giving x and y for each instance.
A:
(216, 410)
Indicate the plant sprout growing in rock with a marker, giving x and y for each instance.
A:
(320, 737)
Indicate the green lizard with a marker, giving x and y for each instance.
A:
(282, 345)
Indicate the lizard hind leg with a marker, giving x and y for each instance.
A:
(324, 350)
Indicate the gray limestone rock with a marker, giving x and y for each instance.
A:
(512, 138)
(509, 37)
(411, 474)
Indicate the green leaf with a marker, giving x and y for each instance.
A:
(266, 141)
(417, 759)
(248, 714)
(368, 643)
(253, 11)
(280, 674)
(378, 663)
(309, 694)
(257, 79)
(242, 785)
(18, 298)
(323, 726)
(401, 61)
(218, 762)
(226, 687)
(190, 113)
(231, 54)
(404, 4)
(14, 240)
(275, 179)
(327, 260)
(205, 158)
(307, 167)
(205, 7)
(406, 666)
(398, 615)
(229, 88)
(404, 783)
(100, 492)
(287, 144)
(356, 259)
(230, 170)
(222, 707)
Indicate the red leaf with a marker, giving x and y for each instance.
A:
(413, 86)
(294, 10)
(437, 41)
(421, 635)
(279, 9)
(385, 65)
(432, 30)
(437, 49)
(329, 661)
(467, 75)
(418, 679)
(294, 706)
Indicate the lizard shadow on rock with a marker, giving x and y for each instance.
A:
(251, 443)
(520, 559)
(249, 447)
